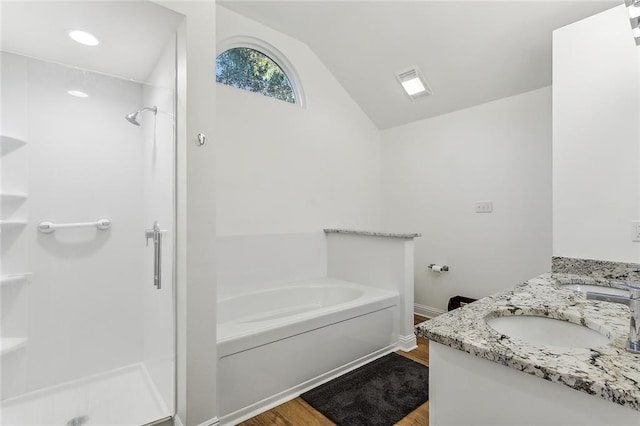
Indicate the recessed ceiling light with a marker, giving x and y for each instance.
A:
(78, 94)
(413, 82)
(84, 37)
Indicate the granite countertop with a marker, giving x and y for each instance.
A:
(370, 233)
(609, 372)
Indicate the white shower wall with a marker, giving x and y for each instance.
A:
(84, 162)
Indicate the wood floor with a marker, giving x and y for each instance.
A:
(298, 413)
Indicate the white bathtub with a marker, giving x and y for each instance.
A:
(276, 343)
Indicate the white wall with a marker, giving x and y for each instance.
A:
(286, 169)
(596, 163)
(433, 172)
(196, 198)
(83, 163)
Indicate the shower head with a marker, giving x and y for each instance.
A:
(134, 117)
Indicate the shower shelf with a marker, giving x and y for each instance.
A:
(12, 197)
(14, 279)
(7, 143)
(10, 344)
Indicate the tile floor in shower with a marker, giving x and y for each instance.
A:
(125, 396)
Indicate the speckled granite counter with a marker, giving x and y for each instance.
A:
(604, 272)
(609, 372)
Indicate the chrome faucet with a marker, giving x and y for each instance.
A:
(633, 301)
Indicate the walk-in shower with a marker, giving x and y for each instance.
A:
(134, 117)
(86, 331)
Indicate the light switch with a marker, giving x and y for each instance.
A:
(484, 206)
(635, 230)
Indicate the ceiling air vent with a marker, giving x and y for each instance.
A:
(414, 83)
(633, 6)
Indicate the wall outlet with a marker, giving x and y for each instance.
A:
(635, 230)
(485, 206)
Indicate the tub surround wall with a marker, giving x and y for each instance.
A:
(253, 262)
(378, 259)
(595, 138)
(609, 372)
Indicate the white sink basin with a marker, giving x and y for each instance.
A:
(597, 289)
(547, 331)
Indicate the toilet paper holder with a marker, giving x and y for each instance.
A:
(438, 268)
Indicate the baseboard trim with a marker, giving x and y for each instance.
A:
(211, 422)
(427, 311)
(167, 421)
(407, 343)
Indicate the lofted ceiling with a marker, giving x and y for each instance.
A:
(470, 52)
(132, 33)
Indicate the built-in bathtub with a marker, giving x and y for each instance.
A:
(274, 344)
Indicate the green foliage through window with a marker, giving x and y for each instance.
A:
(248, 69)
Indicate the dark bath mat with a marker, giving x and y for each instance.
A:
(377, 394)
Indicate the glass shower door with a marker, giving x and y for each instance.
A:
(158, 165)
(85, 335)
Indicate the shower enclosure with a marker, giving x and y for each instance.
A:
(87, 214)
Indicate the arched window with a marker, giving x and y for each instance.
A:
(249, 69)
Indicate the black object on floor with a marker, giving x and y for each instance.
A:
(458, 302)
(377, 394)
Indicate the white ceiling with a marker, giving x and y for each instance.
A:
(132, 33)
(471, 52)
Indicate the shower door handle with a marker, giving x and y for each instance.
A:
(156, 235)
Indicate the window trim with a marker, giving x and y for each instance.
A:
(272, 53)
